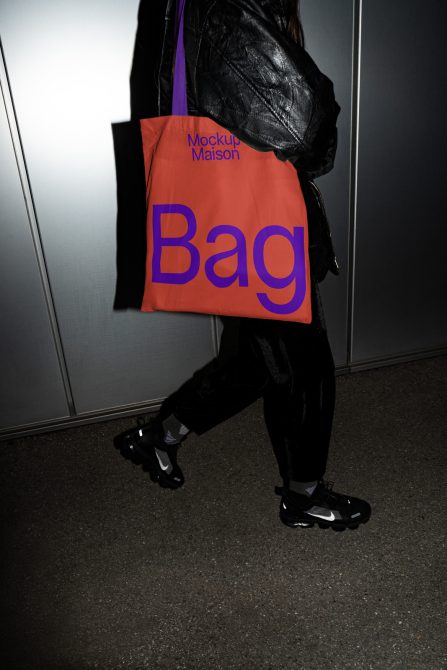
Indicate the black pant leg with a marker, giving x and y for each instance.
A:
(299, 408)
(291, 366)
(299, 422)
(224, 386)
(299, 416)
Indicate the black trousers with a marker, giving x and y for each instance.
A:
(289, 365)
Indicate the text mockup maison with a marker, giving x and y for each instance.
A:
(205, 147)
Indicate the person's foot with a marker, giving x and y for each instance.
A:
(144, 445)
(324, 507)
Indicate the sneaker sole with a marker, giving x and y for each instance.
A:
(338, 526)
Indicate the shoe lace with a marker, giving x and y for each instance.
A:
(333, 499)
(326, 490)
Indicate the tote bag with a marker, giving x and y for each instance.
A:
(226, 224)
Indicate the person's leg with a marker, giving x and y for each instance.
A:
(298, 414)
(299, 405)
(223, 387)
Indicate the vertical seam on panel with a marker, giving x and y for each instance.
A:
(353, 188)
(5, 87)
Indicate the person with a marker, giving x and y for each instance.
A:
(247, 68)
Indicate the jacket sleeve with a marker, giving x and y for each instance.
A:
(254, 80)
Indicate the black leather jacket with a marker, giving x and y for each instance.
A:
(245, 72)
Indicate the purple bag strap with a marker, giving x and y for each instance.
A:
(179, 102)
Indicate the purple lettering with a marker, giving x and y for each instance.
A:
(181, 241)
(296, 239)
(240, 250)
(194, 140)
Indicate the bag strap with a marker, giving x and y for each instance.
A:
(179, 101)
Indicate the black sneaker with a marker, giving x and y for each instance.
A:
(144, 446)
(324, 507)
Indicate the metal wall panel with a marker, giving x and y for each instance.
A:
(328, 27)
(69, 66)
(31, 385)
(401, 232)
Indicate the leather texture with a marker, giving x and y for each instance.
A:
(245, 72)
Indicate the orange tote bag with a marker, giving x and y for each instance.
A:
(226, 224)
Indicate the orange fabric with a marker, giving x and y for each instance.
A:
(236, 220)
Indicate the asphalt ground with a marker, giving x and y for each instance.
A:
(101, 568)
